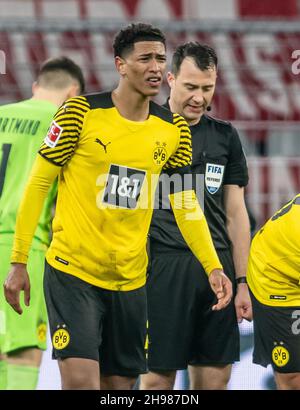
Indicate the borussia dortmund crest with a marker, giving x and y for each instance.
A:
(280, 356)
(160, 154)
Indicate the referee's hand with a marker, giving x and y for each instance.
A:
(16, 281)
(222, 287)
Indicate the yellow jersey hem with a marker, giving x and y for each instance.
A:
(96, 282)
(267, 302)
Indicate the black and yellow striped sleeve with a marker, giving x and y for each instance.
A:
(183, 155)
(64, 131)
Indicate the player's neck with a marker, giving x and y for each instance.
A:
(51, 96)
(132, 106)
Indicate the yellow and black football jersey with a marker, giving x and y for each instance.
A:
(109, 169)
(274, 262)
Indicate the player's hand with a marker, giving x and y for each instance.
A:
(17, 280)
(222, 287)
(243, 305)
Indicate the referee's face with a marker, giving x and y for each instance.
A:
(191, 90)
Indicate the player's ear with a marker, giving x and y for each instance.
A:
(120, 64)
(170, 79)
(34, 87)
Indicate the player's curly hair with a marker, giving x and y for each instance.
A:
(125, 39)
(204, 56)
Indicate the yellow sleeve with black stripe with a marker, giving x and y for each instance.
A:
(187, 211)
(42, 176)
(194, 229)
(70, 118)
(182, 157)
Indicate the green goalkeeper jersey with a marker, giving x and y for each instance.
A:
(23, 126)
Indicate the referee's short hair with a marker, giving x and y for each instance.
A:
(204, 56)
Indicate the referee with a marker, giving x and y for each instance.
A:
(183, 329)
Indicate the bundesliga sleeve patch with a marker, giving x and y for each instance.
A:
(53, 135)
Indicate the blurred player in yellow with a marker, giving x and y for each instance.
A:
(106, 148)
(274, 280)
(23, 127)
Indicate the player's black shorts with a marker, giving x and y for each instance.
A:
(93, 323)
(183, 329)
(276, 336)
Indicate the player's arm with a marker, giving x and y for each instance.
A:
(194, 229)
(192, 222)
(42, 176)
(57, 149)
(238, 227)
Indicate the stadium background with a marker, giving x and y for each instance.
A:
(258, 87)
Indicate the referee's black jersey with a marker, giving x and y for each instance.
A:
(218, 155)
